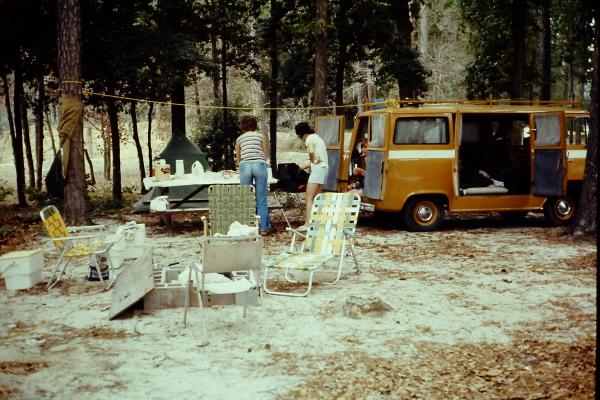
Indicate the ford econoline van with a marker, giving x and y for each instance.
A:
(427, 159)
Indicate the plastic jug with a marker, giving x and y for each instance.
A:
(197, 168)
(160, 203)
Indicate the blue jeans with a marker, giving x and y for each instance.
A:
(255, 172)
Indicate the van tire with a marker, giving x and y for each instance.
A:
(422, 214)
(559, 210)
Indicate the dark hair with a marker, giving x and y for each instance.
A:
(303, 128)
(248, 123)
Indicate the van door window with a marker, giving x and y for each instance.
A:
(578, 130)
(377, 130)
(548, 130)
(425, 130)
(329, 130)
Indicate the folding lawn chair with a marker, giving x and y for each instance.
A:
(227, 204)
(70, 246)
(331, 227)
(221, 255)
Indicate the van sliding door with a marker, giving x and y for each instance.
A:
(331, 130)
(549, 178)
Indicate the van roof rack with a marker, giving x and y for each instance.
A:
(396, 103)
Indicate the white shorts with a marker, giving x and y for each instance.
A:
(318, 174)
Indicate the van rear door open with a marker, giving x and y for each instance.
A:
(331, 130)
(375, 161)
(548, 145)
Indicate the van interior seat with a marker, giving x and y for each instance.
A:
(484, 190)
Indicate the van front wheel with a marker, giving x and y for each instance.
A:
(423, 215)
(559, 210)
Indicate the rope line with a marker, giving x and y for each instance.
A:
(392, 103)
(168, 103)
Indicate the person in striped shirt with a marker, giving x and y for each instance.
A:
(251, 150)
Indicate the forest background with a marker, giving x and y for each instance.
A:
(136, 62)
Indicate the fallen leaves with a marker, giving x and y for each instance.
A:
(65, 334)
(21, 368)
(527, 368)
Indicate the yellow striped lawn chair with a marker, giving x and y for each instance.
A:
(70, 246)
(331, 228)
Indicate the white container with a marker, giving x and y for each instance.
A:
(197, 169)
(179, 169)
(22, 269)
(130, 241)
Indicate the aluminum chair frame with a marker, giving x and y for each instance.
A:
(71, 246)
(331, 232)
(220, 255)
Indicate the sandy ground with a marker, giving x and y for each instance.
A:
(480, 309)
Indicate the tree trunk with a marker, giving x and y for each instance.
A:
(54, 150)
(342, 31)
(320, 88)
(92, 180)
(401, 14)
(545, 51)
(150, 111)
(107, 142)
(39, 132)
(228, 162)
(17, 144)
(18, 137)
(586, 219)
(519, 11)
(69, 69)
(274, 82)
(138, 146)
(214, 53)
(27, 141)
(424, 29)
(113, 118)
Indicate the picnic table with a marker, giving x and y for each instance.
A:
(199, 181)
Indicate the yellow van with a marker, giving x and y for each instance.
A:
(426, 159)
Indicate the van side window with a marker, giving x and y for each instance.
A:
(421, 130)
(578, 130)
(377, 130)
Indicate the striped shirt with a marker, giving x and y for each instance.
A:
(251, 146)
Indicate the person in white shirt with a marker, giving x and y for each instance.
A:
(319, 167)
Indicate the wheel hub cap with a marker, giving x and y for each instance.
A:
(425, 213)
(563, 208)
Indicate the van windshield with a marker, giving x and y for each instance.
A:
(421, 130)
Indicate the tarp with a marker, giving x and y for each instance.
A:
(70, 119)
(55, 182)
